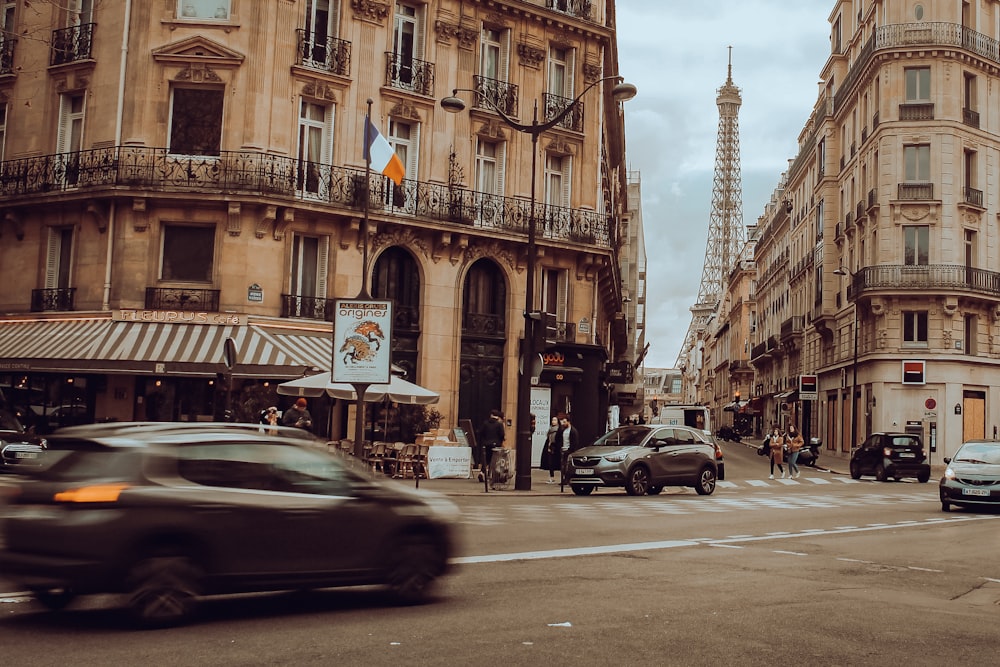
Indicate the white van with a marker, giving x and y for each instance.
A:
(695, 416)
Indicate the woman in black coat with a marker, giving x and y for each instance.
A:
(551, 452)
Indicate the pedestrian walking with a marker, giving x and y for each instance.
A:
(552, 452)
(795, 443)
(567, 437)
(777, 445)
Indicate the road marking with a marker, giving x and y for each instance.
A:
(791, 553)
(757, 482)
(673, 544)
(724, 546)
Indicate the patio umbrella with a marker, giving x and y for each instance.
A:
(397, 390)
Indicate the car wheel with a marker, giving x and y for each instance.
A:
(163, 591)
(923, 477)
(706, 482)
(880, 473)
(637, 483)
(53, 599)
(855, 470)
(654, 490)
(945, 505)
(582, 489)
(416, 565)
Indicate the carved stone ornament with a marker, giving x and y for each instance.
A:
(445, 31)
(370, 10)
(559, 146)
(198, 74)
(591, 72)
(405, 111)
(319, 90)
(530, 56)
(492, 129)
(400, 236)
(267, 217)
(234, 226)
(493, 250)
(140, 221)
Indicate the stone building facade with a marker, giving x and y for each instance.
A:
(182, 172)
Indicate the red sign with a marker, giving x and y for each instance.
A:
(930, 404)
(913, 372)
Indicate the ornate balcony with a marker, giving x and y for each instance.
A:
(970, 117)
(913, 191)
(408, 73)
(493, 94)
(309, 307)
(55, 299)
(128, 168)
(328, 54)
(72, 44)
(578, 8)
(555, 104)
(972, 197)
(924, 278)
(792, 327)
(182, 298)
(921, 111)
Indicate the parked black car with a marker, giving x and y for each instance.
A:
(19, 449)
(167, 513)
(895, 455)
(972, 478)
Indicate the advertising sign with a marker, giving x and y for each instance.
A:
(362, 335)
(808, 389)
(913, 371)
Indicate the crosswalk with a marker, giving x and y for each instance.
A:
(594, 507)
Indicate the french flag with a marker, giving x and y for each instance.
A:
(380, 155)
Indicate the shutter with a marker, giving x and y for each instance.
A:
(412, 160)
(52, 259)
(322, 257)
(418, 30)
(328, 127)
(63, 130)
(501, 167)
(570, 68)
(567, 178)
(334, 10)
(504, 63)
(562, 305)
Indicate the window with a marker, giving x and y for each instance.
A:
(554, 293)
(490, 166)
(188, 253)
(320, 26)
(7, 8)
(196, 121)
(490, 64)
(918, 163)
(407, 46)
(969, 171)
(971, 331)
(59, 257)
(916, 239)
(969, 91)
(69, 138)
(915, 328)
(560, 74)
(557, 170)
(203, 9)
(309, 266)
(403, 139)
(918, 84)
(315, 147)
(80, 12)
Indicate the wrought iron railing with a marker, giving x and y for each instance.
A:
(57, 299)
(72, 44)
(408, 73)
(556, 104)
(924, 277)
(791, 326)
(972, 196)
(970, 117)
(495, 95)
(483, 324)
(182, 298)
(309, 307)
(328, 54)
(249, 172)
(578, 8)
(916, 111)
(7, 45)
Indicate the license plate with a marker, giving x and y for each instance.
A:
(906, 455)
(25, 455)
(584, 471)
(975, 492)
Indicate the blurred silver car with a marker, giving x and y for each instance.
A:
(972, 477)
(644, 459)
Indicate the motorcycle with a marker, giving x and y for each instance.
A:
(728, 433)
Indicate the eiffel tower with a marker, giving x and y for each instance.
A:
(725, 231)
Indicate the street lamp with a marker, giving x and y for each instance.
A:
(843, 271)
(453, 104)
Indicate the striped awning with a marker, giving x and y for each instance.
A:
(103, 345)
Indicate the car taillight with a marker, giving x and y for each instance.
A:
(887, 452)
(718, 452)
(101, 493)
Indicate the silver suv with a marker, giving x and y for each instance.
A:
(646, 458)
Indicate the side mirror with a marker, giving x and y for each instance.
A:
(947, 460)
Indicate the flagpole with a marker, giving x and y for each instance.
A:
(361, 388)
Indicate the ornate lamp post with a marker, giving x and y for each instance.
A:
(843, 271)
(453, 104)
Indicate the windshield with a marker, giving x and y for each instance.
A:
(625, 436)
(8, 422)
(979, 452)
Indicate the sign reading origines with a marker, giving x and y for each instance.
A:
(362, 335)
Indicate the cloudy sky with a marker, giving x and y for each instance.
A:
(676, 53)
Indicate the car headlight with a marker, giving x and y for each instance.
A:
(617, 457)
(949, 473)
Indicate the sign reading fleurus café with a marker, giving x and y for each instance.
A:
(177, 316)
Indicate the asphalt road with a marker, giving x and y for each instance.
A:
(822, 570)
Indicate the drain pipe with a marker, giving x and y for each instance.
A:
(119, 112)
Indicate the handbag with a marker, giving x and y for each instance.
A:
(762, 450)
